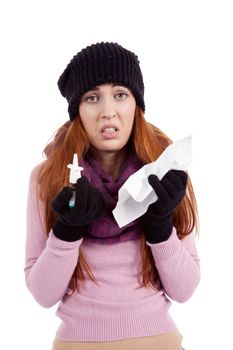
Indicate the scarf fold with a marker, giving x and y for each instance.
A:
(106, 229)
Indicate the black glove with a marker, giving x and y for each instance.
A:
(157, 221)
(72, 222)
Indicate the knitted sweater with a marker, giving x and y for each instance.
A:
(116, 308)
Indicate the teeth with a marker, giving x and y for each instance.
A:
(109, 130)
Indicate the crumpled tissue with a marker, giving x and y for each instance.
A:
(136, 194)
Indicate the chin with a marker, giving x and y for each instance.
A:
(110, 148)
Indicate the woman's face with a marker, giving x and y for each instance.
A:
(107, 113)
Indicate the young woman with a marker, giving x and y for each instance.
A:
(114, 285)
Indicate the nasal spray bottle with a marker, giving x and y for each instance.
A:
(75, 174)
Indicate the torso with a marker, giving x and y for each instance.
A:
(166, 341)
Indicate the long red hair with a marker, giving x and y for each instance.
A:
(149, 142)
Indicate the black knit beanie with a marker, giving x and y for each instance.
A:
(98, 64)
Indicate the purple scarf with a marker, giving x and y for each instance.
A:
(106, 229)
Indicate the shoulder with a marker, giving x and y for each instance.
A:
(33, 175)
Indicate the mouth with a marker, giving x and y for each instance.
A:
(109, 130)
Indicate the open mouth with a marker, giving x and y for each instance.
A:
(109, 130)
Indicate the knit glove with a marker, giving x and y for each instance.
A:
(157, 221)
(72, 222)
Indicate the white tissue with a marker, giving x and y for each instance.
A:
(136, 194)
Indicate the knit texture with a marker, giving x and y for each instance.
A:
(116, 308)
(157, 221)
(98, 64)
(88, 208)
(106, 229)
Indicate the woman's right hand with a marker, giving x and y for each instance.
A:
(88, 207)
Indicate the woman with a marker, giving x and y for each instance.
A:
(114, 284)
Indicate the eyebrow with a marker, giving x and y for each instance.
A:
(96, 88)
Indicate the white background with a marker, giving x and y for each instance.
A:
(185, 50)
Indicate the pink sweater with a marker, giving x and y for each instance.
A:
(117, 308)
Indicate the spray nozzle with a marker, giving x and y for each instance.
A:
(75, 170)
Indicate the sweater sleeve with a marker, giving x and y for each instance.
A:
(178, 265)
(49, 261)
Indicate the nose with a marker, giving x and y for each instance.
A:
(107, 109)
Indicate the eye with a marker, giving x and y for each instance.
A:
(121, 95)
(92, 98)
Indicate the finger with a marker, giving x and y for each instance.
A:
(82, 187)
(182, 175)
(158, 187)
(61, 201)
(81, 179)
(171, 189)
(178, 178)
(82, 183)
(96, 206)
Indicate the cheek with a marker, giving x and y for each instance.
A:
(85, 117)
(85, 112)
(128, 110)
(131, 107)
(88, 126)
(130, 117)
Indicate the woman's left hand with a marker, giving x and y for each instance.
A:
(170, 191)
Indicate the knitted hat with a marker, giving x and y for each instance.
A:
(98, 64)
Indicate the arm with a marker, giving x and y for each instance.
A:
(49, 263)
(178, 266)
